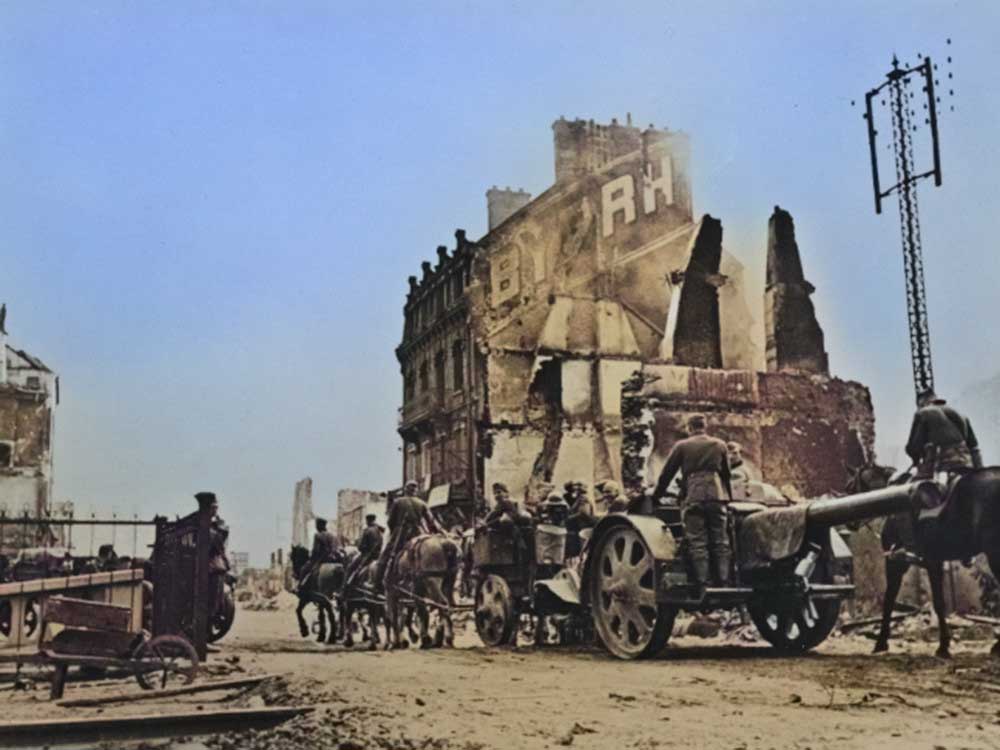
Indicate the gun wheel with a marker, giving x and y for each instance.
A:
(797, 625)
(626, 616)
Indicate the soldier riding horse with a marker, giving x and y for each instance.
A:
(417, 568)
(953, 520)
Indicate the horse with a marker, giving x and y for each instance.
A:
(424, 574)
(968, 524)
(320, 588)
(358, 597)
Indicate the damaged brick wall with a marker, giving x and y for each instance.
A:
(798, 432)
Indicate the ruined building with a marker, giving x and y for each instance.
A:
(28, 397)
(516, 347)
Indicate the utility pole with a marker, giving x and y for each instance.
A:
(897, 88)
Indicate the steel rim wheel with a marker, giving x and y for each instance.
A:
(626, 615)
(496, 618)
(798, 625)
(165, 661)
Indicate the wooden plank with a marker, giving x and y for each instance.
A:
(104, 729)
(82, 613)
(204, 687)
(64, 583)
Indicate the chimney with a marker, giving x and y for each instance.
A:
(501, 204)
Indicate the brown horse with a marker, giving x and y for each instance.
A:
(968, 524)
(423, 576)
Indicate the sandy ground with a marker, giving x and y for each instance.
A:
(700, 694)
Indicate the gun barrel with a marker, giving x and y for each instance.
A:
(861, 507)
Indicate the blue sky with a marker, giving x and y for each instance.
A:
(208, 214)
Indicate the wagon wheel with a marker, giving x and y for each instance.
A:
(222, 621)
(5, 618)
(165, 661)
(31, 618)
(626, 616)
(797, 625)
(496, 612)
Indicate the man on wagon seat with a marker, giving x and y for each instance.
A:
(704, 464)
(409, 517)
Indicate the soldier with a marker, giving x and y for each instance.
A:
(409, 517)
(326, 549)
(941, 439)
(612, 498)
(506, 508)
(704, 463)
(369, 548)
(737, 469)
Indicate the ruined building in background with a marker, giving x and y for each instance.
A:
(29, 392)
(516, 347)
(302, 513)
(353, 506)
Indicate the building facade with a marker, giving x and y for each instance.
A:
(516, 347)
(29, 393)
(352, 507)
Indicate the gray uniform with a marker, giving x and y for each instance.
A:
(703, 462)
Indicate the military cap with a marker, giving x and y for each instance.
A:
(697, 422)
(320, 522)
(610, 487)
(205, 498)
(370, 517)
(500, 487)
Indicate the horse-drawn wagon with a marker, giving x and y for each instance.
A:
(791, 571)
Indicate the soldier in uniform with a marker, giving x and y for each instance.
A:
(941, 439)
(612, 498)
(506, 508)
(704, 463)
(409, 517)
(737, 469)
(326, 549)
(369, 547)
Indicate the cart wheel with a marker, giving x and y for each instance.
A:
(626, 616)
(31, 618)
(165, 661)
(797, 625)
(222, 621)
(5, 618)
(496, 613)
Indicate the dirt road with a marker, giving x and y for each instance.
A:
(700, 694)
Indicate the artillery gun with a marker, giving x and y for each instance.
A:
(791, 567)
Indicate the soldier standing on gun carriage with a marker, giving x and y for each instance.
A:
(704, 463)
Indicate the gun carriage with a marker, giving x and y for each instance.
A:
(791, 571)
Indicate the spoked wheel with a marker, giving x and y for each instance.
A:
(31, 618)
(799, 624)
(5, 618)
(222, 621)
(623, 596)
(496, 612)
(165, 661)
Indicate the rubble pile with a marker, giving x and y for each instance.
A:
(331, 726)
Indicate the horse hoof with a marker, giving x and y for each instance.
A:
(304, 632)
(372, 646)
(449, 641)
(403, 644)
(426, 643)
(943, 653)
(348, 644)
(880, 648)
